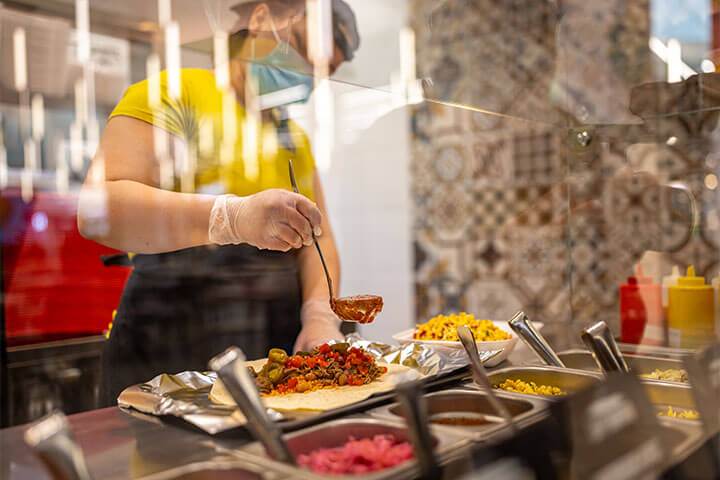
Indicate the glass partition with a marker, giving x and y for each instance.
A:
(467, 156)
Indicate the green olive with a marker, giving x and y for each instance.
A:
(275, 373)
(277, 355)
(340, 347)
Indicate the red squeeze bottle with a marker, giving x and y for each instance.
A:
(640, 306)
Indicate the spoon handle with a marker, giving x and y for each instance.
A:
(524, 329)
(599, 339)
(231, 369)
(50, 440)
(317, 245)
(480, 374)
(414, 404)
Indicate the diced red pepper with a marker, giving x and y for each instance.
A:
(310, 362)
(324, 348)
(295, 361)
(292, 383)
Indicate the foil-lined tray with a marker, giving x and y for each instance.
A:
(186, 394)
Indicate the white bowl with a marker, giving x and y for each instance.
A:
(504, 346)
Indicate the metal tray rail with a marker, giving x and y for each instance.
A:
(336, 432)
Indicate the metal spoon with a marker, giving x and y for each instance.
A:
(524, 329)
(346, 307)
(599, 339)
(414, 404)
(50, 440)
(480, 375)
(231, 369)
(317, 246)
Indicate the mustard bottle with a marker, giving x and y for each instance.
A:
(691, 312)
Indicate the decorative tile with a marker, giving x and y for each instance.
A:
(535, 157)
(509, 212)
(492, 160)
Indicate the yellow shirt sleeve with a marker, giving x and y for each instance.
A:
(304, 163)
(168, 114)
(200, 102)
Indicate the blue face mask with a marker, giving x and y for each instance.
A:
(283, 68)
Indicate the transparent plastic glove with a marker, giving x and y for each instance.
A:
(319, 324)
(273, 219)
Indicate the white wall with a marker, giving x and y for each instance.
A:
(367, 183)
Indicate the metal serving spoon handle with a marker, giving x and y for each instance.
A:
(480, 375)
(524, 329)
(231, 369)
(317, 245)
(49, 438)
(414, 404)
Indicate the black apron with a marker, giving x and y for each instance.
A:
(179, 309)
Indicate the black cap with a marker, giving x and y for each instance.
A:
(345, 31)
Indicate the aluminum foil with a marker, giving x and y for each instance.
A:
(425, 359)
(186, 395)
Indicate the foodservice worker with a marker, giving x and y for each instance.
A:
(223, 249)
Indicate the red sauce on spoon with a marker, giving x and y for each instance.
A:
(358, 308)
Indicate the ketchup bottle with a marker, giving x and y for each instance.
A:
(641, 312)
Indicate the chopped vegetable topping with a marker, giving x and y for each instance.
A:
(521, 386)
(358, 456)
(326, 366)
(444, 327)
(669, 375)
(670, 412)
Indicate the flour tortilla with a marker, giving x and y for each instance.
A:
(325, 398)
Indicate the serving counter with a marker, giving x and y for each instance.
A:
(122, 444)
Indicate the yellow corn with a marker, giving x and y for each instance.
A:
(444, 327)
(521, 386)
(691, 414)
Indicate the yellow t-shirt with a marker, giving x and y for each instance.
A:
(214, 125)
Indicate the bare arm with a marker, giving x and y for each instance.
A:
(140, 217)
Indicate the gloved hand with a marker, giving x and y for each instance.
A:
(319, 324)
(273, 219)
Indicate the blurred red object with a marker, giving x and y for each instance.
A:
(55, 283)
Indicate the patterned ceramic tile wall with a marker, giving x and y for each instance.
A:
(492, 186)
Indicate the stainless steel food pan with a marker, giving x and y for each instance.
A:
(235, 467)
(681, 438)
(639, 364)
(566, 379)
(336, 433)
(472, 404)
(664, 394)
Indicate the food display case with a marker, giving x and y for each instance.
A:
(350, 198)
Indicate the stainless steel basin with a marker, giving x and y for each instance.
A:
(583, 360)
(568, 380)
(335, 433)
(226, 469)
(680, 438)
(471, 404)
(677, 395)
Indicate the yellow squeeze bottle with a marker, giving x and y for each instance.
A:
(691, 312)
